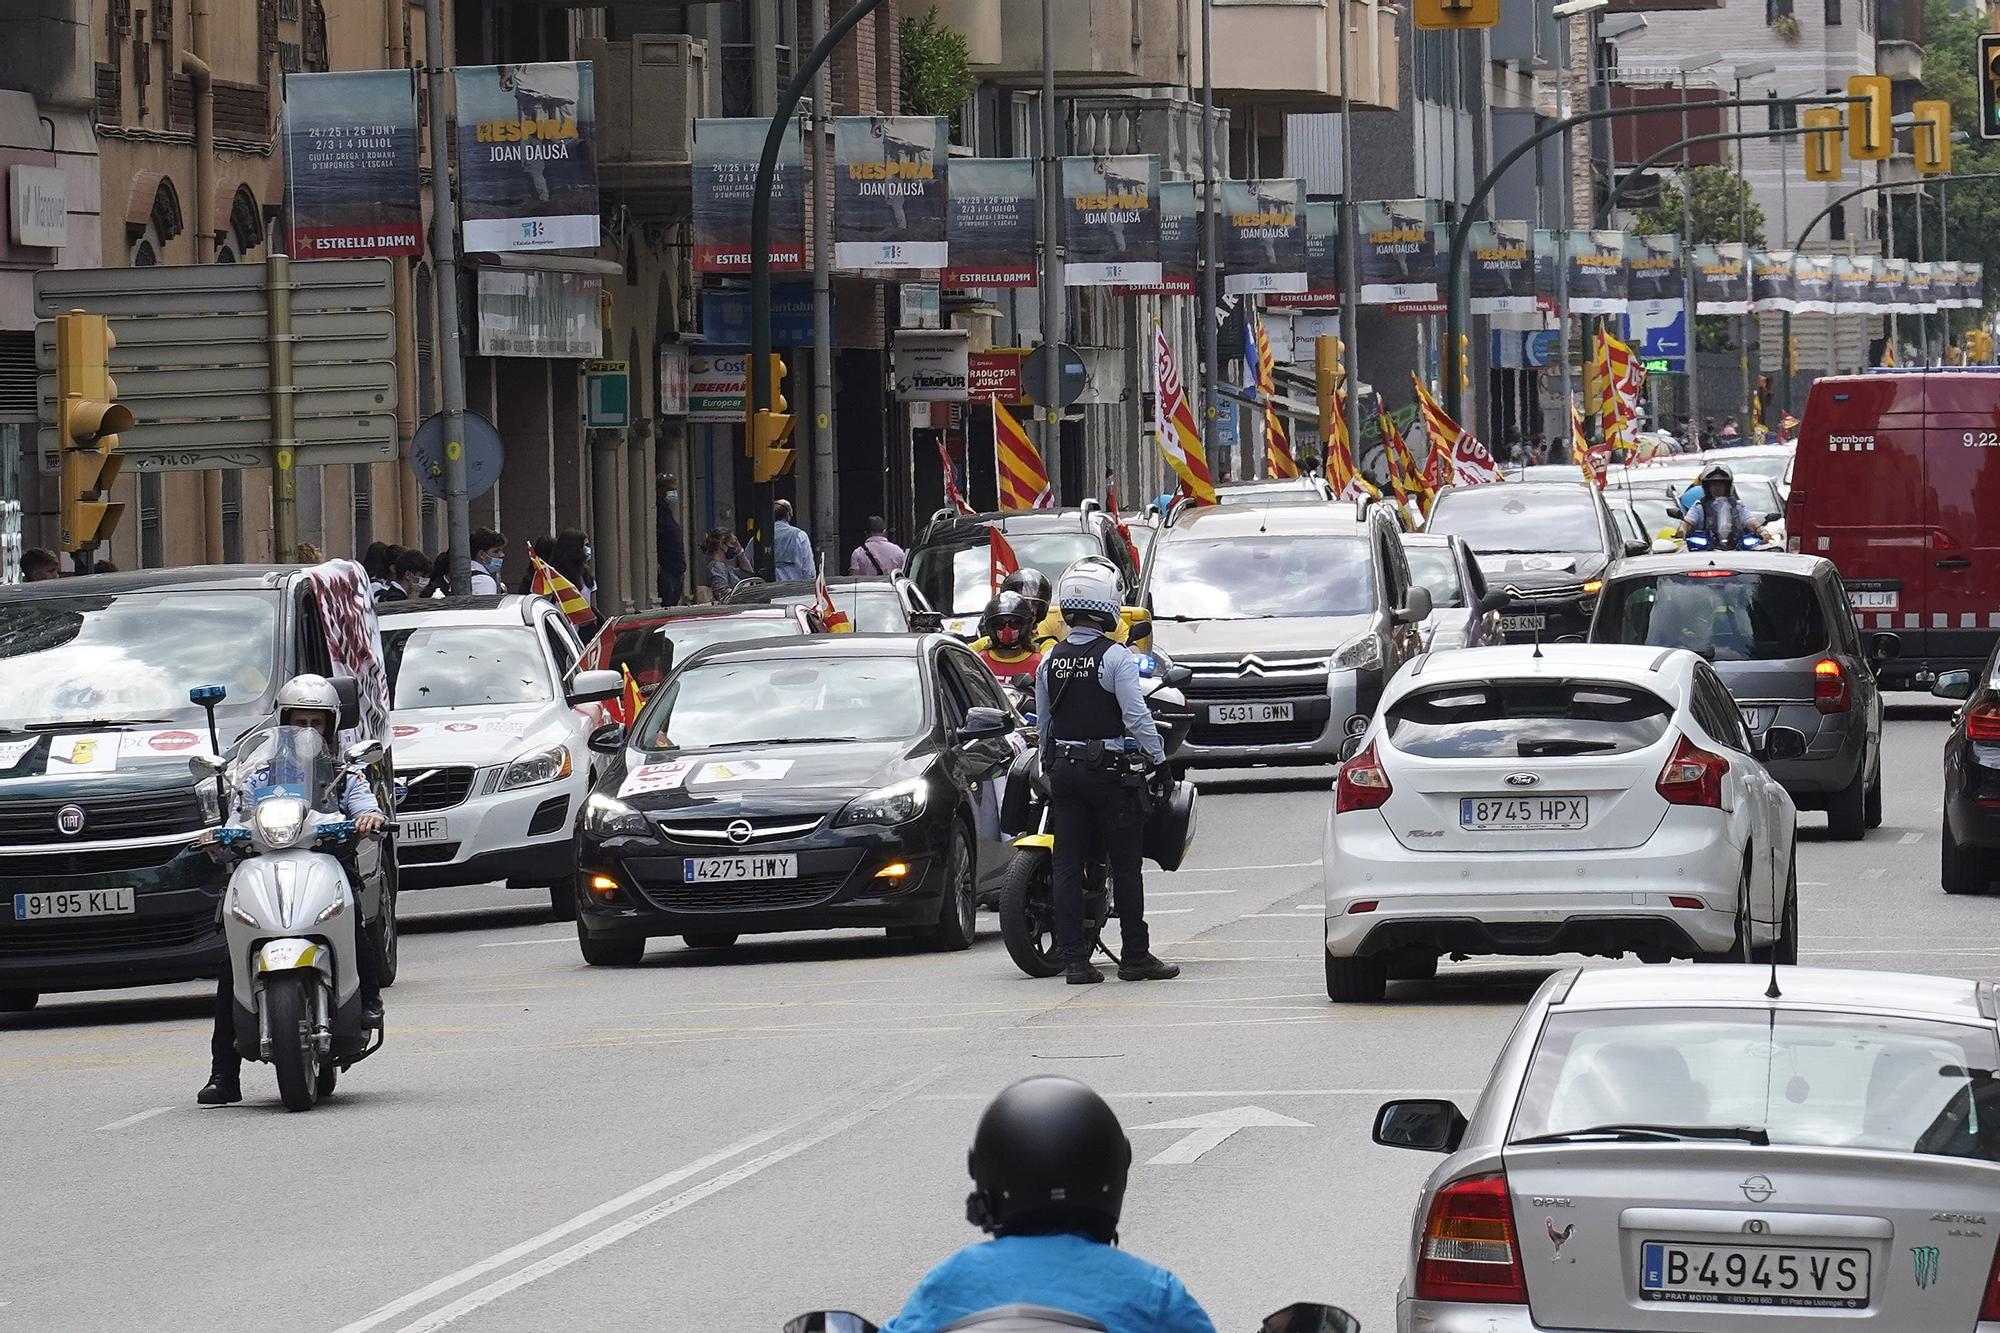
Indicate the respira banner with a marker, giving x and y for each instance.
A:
(1502, 281)
(889, 191)
(527, 166)
(1111, 221)
(1263, 228)
(1395, 251)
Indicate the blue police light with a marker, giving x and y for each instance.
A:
(1147, 663)
(205, 695)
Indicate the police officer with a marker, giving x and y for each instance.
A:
(1718, 512)
(1098, 743)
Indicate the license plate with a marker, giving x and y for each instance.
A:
(1788, 1275)
(423, 830)
(1873, 601)
(65, 903)
(1239, 713)
(1519, 624)
(1523, 812)
(734, 869)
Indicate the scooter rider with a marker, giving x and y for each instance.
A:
(303, 701)
(1718, 512)
(1097, 741)
(1049, 1164)
(1007, 637)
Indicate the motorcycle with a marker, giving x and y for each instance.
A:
(1748, 541)
(1302, 1317)
(1027, 890)
(289, 920)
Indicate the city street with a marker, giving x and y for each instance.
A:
(720, 1140)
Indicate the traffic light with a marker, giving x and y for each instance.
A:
(1822, 143)
(1933, 137)
(1868, 136)
(1989, 85)
(1455, 13)
(1327, 374)
(88, 419)
(770, 429)
(1464, 363)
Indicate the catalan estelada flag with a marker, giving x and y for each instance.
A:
(952, 495)
(1258, 363)
(1024, 481)
(1174, 428)
(552, 585)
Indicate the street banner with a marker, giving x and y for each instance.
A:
(1654, 285)
(1548, 267)
(1322, 262)
(1180, 244)
(1851, 277)
(1771, 281)
(1395, 252)
(527, 156)
(1922, 300)
(1263, 236)
(1882, 290)
(1174, 430)
(1946, 287)
(889, 190)
(1021, 480)
(1597, 274)
(1972, 276)
(1812, 281)
(1721, 279)
(990, 222)
(351, 164)
(725, 174)
(1111, 221)
(1503, 268)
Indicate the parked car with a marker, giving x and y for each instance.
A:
(1778, 630)
(1560, 798)
(1291, 620)
(492, 719)
(1716, 1148)
(951, 564)
(1546, 544)
(648, 643)
(1275, 491)
(1465, 613)
(887, 604)
(1971, 861)
(1892, 482)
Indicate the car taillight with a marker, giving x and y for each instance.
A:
(1363, 785)
(1983, 723)
(1692, 776)
(1989, 1305)
(1829, 686)
(1469, 1252)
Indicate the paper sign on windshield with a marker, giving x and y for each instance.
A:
(11, 752)
(743, 770)
(97, 753)
(655, 777)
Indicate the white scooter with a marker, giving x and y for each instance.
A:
(288, 916)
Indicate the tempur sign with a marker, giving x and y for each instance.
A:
(37, 206)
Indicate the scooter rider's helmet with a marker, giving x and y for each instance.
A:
(1713, 475)
(1090, 593)
(1008, 621)
(1049, 1156)
(1033, 585)
(310, 701)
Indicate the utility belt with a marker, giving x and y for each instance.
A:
(1120, 754)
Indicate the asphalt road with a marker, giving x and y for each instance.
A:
(718, 1141)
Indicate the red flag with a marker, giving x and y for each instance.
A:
(952, 495)
(1124, 533)
(835, 619)
(629, 699)
(1001, 556)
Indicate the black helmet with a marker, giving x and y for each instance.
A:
(1049, 1155)
(1034, 587)
(1008, 621)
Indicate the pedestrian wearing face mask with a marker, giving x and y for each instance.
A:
(489, 555)
(673, 552)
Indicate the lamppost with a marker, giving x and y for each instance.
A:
(1744, 73)
(1691, 65)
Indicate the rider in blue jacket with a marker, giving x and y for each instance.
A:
(1049, 1164)
(1718, 512)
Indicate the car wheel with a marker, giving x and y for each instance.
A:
(18, 1001)
(1352, 979)
(1966, 869)
(387, 936)
(1027, 914)
(1413, 967)
(1872, 803)
(1739, 949)
(562, 898)
(1847, 813)
(1785, 949)
(709, 939)
(610, 950)
(958, 919)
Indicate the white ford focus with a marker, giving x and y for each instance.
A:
(1571, 798)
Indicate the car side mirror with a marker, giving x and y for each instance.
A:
(1774, 518)
(362, 754)
(607, 739)
(1952, 685)
(1637, 546)
(983, 724)
(1676, 513)
(1784, 743)
(590, 687)
(1310, 1317)
(1349, 747)
(1492, 601)
(205, 766)
(926, 622)
(348, 690)
(1886, 647)
(1424, 1124)
(1177, 675)
(1416, 607)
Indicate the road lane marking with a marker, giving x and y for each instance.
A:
(1171, 911)
(1292, 915)
(135, 1119)
(618, 1231)
(569, 937)
(1211, 1129)
(1227, 1092)
(1220, 870)
(1911, 838)
(1187, 893)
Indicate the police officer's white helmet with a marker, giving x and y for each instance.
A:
(309, 694)
(1090, 591)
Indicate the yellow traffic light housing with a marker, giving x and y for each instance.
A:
(1868, 133)
(770, 429)
(1988, 74)
(88, 419)
(1933, 137)
(1823, 133)
(1435, 14)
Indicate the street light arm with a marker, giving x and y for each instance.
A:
(1816, 218)
(1647, 164)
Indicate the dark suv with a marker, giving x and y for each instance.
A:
(951, 564)
(1972, 778)
(1545, 544)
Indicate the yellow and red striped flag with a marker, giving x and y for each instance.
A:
(629, 698)
(1595, 462)
(1408, 479)
(1278, 460)
(1024, 481)
(952, 495)
(1124, 532)
(1457, 457)
(835, 619)
(1341, 473)
(1174, 428)
(552, 585)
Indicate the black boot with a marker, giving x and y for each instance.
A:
(220, 1090)
(1143, 966)
(371, 1009)
(1083, 973)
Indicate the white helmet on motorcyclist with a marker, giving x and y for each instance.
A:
(310, 701)
(1091, 593)
(1709, 478)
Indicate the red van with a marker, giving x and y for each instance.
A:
(1897, 481)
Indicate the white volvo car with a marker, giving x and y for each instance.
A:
(1568, 798)
(491, 722)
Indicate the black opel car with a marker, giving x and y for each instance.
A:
(829, 783)
(1972, 779)
(1544, 544)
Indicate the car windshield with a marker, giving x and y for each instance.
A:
(1806, 1078)
(777, 699)
(959, 577)
(1256, 578)
(1519, 719)
(457, 666)
(1258, 494)
(1434, 568)
(1770, 467)
(1725, 615)
(1657, 510)
(875, 610)
(135, 655)
(1504, 519)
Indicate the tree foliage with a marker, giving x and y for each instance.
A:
(1974, 206)
(937, 66)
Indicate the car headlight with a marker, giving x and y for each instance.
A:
(531, 770)
(279, 820)
(898, 803)
(1592, 588)
(1362, 654)
(608, 817)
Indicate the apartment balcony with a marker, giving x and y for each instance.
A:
(650, 91)
(1102, 42)
(1901, 62)
(1285, 57)
(1147, 121)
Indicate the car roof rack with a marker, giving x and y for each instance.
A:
(943, 515)
(1090, 504)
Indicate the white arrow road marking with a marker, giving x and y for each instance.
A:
(1212, 1128)
(135, 1119)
